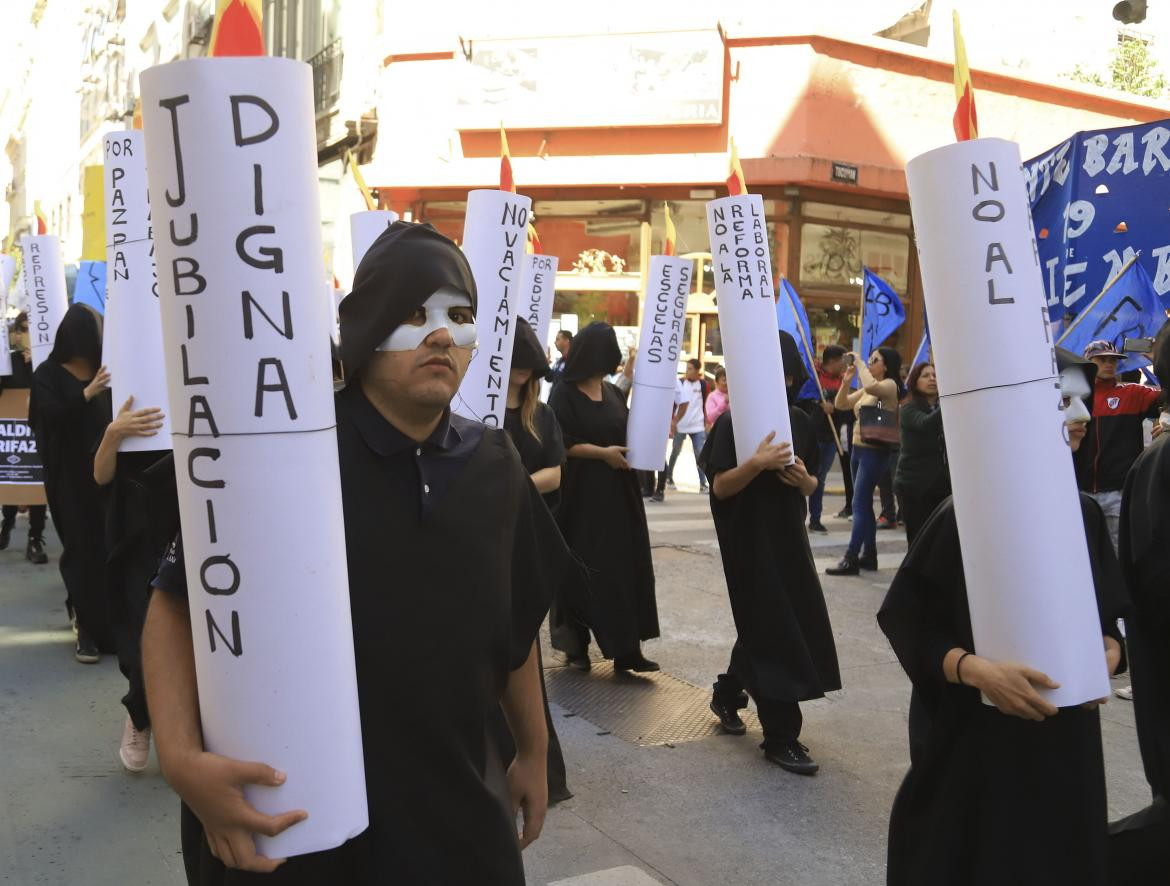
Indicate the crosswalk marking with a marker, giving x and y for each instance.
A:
(678, 525)
(626, 875)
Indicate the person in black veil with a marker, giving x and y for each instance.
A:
(784, 652)
(537, 437)
(141, 508)
(69, 407)
(451, 554)
(601, 513)
(1006, 792)
(1139, 845)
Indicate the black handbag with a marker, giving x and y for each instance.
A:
(879, 427)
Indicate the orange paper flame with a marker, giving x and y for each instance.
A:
(736, 183)
(507, 182)
(238, 29)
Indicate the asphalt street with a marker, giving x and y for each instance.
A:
(695, 810)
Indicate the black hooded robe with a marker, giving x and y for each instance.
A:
(990, 798)
(446, 602)
(1140, 844)
(604, 521)
(68, 429)
(784, 634)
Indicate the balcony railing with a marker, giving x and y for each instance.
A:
(326, 66)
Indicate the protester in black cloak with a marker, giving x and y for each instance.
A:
(1011, 792)
(1139, 846)
(537, 437)
(601, 513)
(141, 519)
(21, 379)
(451, 554)
(784, 651)
(69, 407)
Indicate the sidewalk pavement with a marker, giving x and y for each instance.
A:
(703, 811)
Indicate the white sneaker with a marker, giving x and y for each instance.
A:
(1125, 692)
(135, 750)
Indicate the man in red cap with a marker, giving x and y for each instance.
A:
(1115, 437)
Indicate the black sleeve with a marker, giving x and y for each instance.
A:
(56, 402)
(718, 453)
(172, 576)
(561, 403)
(552, 446)
(918, 613)
(804, 441)
(540, 561)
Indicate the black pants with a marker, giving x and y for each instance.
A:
(847, 474)
(886, 488)
(128, 576)
(919, 504)
(36, 519)
(781, 718)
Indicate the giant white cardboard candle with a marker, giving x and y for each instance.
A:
(232, 167)
(44, 286)
(493, 241)
(365, 228)
(747, 321)
(664, 314)
(7, 269)
(1031, 599)
(132, 345)
(537, 290)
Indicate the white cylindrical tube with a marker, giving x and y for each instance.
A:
(7, 269)
(537, 290)
(1030, 601)
(493, 241)
(365, 227)
(132, 346)
(664, 317)
(232, 167)
(46, 296)
(742, 267)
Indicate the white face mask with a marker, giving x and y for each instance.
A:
(439, 315)
(1074, 387)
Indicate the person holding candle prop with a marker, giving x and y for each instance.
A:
(879, 387)
(784, 651)
(424, 492)
(601, 513)
(996, 770)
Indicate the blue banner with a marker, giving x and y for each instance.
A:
(791, 318)
(922, 355)
(1097, 199)
(882, 314)
(90, 285)
(1130, 309)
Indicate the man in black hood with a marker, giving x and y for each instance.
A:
(451, 554)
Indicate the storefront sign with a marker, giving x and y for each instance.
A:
(845, 173)
(658, 79)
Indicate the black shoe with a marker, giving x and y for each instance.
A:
(847, 566)
(728, 715)
(638, 663)
(35, 552)
(579, 662)
(816, 526)
(868, 562)
(87, 650)
(793, 757)
(845, 514)
(558, 795)
(657, 496)
(5, 535)
(885, 522)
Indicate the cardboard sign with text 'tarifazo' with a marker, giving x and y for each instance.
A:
(232, 168)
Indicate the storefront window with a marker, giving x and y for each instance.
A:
(834, 256)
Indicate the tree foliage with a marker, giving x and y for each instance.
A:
(1132, 68)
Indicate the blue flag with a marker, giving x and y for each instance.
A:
(791, 318)
(922, 355)
(883, 313)
(90, 286)
(1130, 309)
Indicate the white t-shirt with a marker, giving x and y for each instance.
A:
(691, 393)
